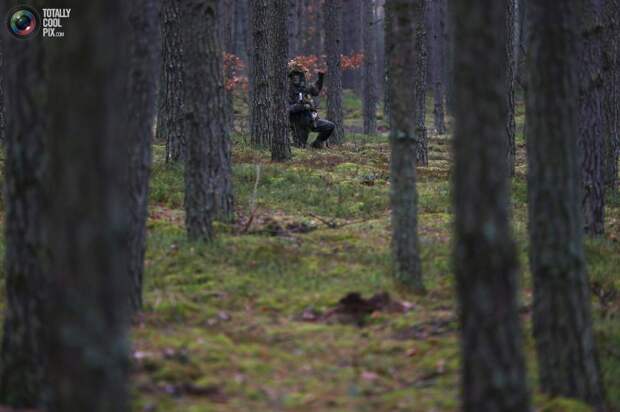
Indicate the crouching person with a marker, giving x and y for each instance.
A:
(303, 113)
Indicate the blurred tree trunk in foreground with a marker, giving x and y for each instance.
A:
(144, 76)
(562, 315)
(369, 80)
(591, 118)
(511, 67)
(21, 359)
(85, 219)
(611, 59)
(208, 174)
(333, 49)
(493, 366)
(401, 57)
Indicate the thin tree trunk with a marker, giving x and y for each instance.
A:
(511, 66)
(562, 316)
(370, 93)
(208, 187)
(261, 94)
(591, 118)
(421, 67)
(437, 54)
(240, 32)
(85, 219)
(353, 42)
(170, 115)
(225, 21)
(486, 265)
(143, 86)
(21, 359)
(401, 57)
(280, 146)
(333, 45)
(2, 95)
(293, 27)
(611, 89)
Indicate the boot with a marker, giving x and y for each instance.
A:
(317, 144)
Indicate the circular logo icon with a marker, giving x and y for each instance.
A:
(23, 22)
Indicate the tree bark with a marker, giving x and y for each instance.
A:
(208, 187)
(261, 93)
(511, 66)
(2, 94)
(591, 116)
(437, 54)
(240, 32)
(143, 87)
(493, 367)
(401, 57)
(353, 42)
(333, 49)
(85, 219)
(225, 22)
(611, 77)
(293, 27)
(370, 89)
(21, 358)
(280, 146)
(421, 67)
(562, 315)
(169, 118)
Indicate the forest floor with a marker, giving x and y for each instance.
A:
(252, 322)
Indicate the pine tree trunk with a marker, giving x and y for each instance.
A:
(401, 58)
(511, 151)
(293, 27)
(562, 315)
(261, 94)
(352, 42)
(437, 64)
(421, 67)
(370, 89)
(450, 52)
(493, 367)
(591, 118)
(225, 21)
(21, 359)
(333, 49)
(85, 214)
(208, 186)
(143, 86)
(280, 146)
(611, 108)
(240, 32)
(170, 116)
(2, 94)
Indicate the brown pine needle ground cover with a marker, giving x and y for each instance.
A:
(247, 324)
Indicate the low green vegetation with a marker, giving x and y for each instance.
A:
(241, 324)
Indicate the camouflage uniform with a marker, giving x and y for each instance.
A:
(301, 108)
